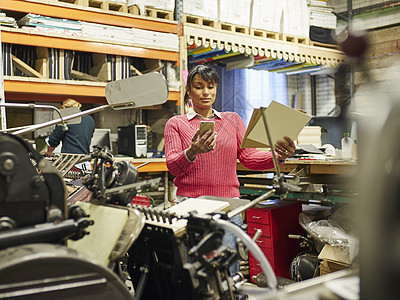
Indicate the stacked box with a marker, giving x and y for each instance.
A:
(296, 19)
(266, 15)
(157, 4)
(235, 12)
(203, 8)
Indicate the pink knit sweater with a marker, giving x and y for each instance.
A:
(212, 173)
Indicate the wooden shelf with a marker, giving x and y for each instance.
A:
(22, 37)
(333, 167)
(34, 89)
(82, 13)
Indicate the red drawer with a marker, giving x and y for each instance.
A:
(257, 216)
(255, 266)
(253, 227)
(263, 241)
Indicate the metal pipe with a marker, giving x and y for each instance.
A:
(278, 173)
(32, 106)
(313, 95)
(250, 204)
(56, 121)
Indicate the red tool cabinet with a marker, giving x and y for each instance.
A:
(276, 223)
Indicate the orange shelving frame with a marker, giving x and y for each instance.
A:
(61, 42)
(58, 90)
(75, 12)
(34, 89)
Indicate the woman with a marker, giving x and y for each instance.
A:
(206, 165)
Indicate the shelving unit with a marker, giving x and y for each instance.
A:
(247, 41)
(16, 88)
(65, 10)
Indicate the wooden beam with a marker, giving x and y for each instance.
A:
(26, 69)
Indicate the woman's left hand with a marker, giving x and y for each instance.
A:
(285, 149)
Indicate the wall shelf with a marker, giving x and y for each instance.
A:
(34, 89)
(83, 13)
(53, 90)
(24, 37)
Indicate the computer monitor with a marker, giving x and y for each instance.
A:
(101, 137)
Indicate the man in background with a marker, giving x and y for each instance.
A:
(76, 140)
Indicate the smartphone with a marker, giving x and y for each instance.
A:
(205, 126)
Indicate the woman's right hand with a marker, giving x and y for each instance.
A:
(203, 144)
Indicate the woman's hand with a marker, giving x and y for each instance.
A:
(203, 144)
(285, 149)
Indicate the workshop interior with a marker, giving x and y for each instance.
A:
(107, 224)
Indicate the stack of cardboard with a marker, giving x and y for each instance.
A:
(333, 259)
(310, 135)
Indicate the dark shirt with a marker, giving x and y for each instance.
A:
(76, 139)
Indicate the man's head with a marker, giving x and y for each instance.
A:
(71, 103)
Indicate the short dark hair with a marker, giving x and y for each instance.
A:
(206, 72)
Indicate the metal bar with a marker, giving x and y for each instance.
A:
(32, 106)
(278, 172)
(251, 204)
(2, 99)
(56, 121)
(313, 95)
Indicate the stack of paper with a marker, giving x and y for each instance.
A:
(7, 21)
(310, 135)
(321, 15)
(48, 24)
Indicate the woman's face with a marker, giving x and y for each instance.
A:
(202, 92)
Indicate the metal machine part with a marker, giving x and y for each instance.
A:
(30, 186)
(66, 161)
(33, 209)
(192, 264)
(107, 174)
(48, 271)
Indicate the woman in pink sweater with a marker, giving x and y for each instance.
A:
(206, 165)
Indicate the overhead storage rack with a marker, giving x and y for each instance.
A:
(260, 44)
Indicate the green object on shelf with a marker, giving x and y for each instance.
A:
(311, 197)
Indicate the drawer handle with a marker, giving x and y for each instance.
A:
(258, 241)
(254, 217)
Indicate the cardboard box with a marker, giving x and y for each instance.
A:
(157, 4)
(235, 12)
(266, 15)
(338, 255)
(296, 19)
(327, 267)
(203, 8)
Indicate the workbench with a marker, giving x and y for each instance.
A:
(313, 167)
(330, 171)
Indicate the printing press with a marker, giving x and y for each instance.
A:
(53, 247)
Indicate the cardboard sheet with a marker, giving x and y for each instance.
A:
(282, 121)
